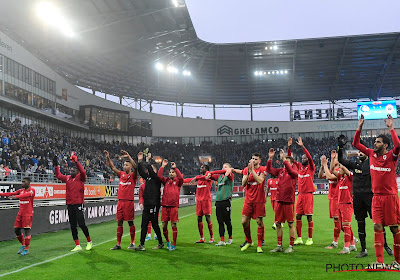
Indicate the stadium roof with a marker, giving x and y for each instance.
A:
(118, 43)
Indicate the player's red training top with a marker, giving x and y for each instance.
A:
(306, 173)
(272, 183)
(345, 188)
(203, 191)
(172, 188)
(75, 189)
(141, 192)
(127, 183)
(287, 178)
(382, 167)
(332, 191)
(254, 192)
(25, 197)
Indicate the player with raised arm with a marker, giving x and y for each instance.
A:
(272, 187)
(75, 199)
(224, 179)
(306, 188)
(332, 197)
(125, 196)
(385, 203)
(254, 200)
(285, 197)
(25, 214)
(170, 200)
(203, 202)
(362, 193)
(345, 202)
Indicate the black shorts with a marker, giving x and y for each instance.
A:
(362, 205)
(223, 210)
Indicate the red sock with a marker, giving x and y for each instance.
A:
(352, 242)
(210, 229)
(76, 242)
(200, 226)
(230, 237)
(260, 235)
(379, 241)
(149, 228)
(21, 239)
(174, 235)
(299, 225)
(396, 246)
(347, 235)
(291, 241)
(120, 231)
(247, 233)
(165, 231)
(27, 242)
(336, 231)
(132, 230)
(223, 238)
(310, 229)
(88, 239)
(279, 240)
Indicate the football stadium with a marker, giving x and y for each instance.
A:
(181, 139)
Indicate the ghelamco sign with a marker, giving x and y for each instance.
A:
(5, 45)
(247, 130)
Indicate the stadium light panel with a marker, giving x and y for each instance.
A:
(159, 66)
(176, 3)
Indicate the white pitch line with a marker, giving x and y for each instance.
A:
(70, 253)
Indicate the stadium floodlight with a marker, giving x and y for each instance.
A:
(186, 73)
(275, 48)
(281, 71)
(286, 71)
(269, 72)
(52, 16)
(175, 2)
(265, 73)
(273, 72)
(171, 69)
(159, 66)
(256, 73)
(266, 48)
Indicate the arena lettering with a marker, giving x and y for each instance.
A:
(6, 46)
(92, 212)
(58, 216)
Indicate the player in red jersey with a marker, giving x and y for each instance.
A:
(25, 214)
(75, 199)
(306, 188)
(332, 197)
(170, 200)
(385, 203)
(203, 202)
(254, 200)
(272, 186)
(345, 202)
(284, 212)
(125, 196)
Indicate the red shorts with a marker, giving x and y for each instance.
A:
(273, 204)
(385, 210)
(125, 210)
(284, 212)
(23, 221)
(333, 208)
(345, 211)
(203, 207)
(253, 210)
(169, 214)
(305, 204)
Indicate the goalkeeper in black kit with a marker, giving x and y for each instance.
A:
(362, 193)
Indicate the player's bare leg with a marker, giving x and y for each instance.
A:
(299, 225)
(260, 233)
(165, 232)
(210, 228)
(120, 231)
(247, 233)
(132, 231)
(279, 234)
(292, 234)
(174, 236)
(396, 248)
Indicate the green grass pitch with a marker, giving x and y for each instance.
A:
(190, 261)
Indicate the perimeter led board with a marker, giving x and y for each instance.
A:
(377, 110)
(235, 21)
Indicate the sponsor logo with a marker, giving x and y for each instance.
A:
(304, 176)
(5, 45)
(343, 187)
(246, 131)
(377, 168)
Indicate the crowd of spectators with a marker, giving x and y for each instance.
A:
(29, 149)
